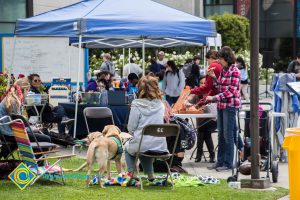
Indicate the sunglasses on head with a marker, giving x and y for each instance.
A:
(37, 80)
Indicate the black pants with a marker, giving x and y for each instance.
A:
(205, 128)
(11, 144)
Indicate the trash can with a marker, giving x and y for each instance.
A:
(292, 144)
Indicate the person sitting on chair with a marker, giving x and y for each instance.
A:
(204, 127)
(11, 103)
(147, 109)
(129, 84)
(50, 114)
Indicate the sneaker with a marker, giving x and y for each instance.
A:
(213, 166)
(221, 169)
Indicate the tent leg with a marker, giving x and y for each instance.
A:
(129, 55)
(143, 46)
(11, 63)
(77, 89)
(123, 60)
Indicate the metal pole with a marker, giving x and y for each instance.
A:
(254, 122)
(123, 57)
(129, 55)
(11, 63)
(77, 89)
(143, 46)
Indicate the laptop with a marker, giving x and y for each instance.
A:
(116, 98)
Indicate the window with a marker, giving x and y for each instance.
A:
(10, 11)
(213, 7)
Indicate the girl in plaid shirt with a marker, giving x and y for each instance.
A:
(228, 101)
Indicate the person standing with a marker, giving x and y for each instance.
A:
(161, 58)
(294, 67)
(208, 87)
(155, 67)
(228, 101)
(193, 79)
(244, 77)
(107, 65)
(173, 82)
(131, 68)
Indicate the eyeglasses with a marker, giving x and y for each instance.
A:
(37, 80)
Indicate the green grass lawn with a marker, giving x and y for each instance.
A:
(75, 189)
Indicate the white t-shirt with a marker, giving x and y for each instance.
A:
(162, 62)
(131, 68)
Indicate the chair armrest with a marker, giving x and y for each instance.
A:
(56, 157)
(46, 152)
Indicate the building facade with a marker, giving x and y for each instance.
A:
(279, 24)
(11, 10)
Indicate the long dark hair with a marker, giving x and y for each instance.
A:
(241, 61)
(173, 66)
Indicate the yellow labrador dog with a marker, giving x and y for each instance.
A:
(103, 148)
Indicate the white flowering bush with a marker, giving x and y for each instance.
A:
(117, 59)
(262, 71)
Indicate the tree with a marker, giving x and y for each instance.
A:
(234, 30)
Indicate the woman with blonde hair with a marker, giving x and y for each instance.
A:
(11, 103)
(147, 109)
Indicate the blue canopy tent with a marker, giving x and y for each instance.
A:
(118, 19)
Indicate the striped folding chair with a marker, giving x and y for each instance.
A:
(29, 157)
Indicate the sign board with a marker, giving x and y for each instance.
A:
(47, 56)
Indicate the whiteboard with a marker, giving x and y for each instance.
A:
(50, 57)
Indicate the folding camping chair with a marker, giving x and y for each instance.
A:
(28, 156)
(158, 130)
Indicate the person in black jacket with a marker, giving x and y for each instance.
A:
(193, 79)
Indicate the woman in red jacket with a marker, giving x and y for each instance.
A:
(206, 89)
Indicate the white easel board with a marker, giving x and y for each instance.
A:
(47, 56)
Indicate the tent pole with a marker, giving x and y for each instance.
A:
(11, 63)
(123, 58)
(143, 46)
(69, 52)
(129, 55)
(77, 90)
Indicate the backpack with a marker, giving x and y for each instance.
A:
(188, 135)
(187, 68)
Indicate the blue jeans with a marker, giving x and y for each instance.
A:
(171, 100)
(226, 132)
(147, 163)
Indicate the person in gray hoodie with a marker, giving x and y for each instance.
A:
(173, 82)
(147, 109)
(107, 65)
